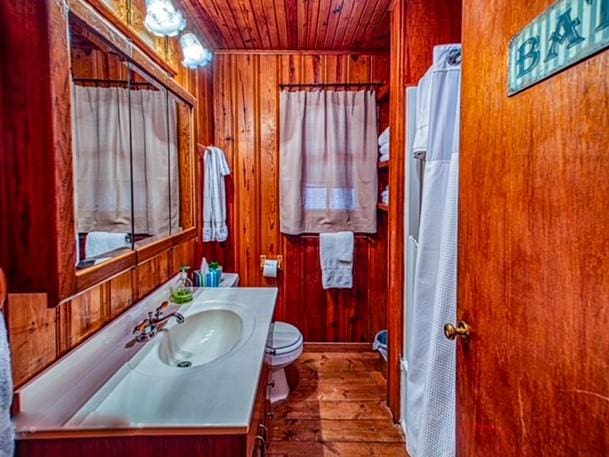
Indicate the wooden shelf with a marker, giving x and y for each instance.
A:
(383, 207)
(384, 164)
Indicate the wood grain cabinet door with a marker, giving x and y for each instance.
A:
(533, 249)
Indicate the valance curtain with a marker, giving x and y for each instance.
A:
(103, 163)
(328, 154)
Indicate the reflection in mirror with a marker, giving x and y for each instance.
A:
(152, 150)
(179, 113)
(101, 144)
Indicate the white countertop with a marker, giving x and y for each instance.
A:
(218, 395)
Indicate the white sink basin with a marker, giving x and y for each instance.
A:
(201, 339)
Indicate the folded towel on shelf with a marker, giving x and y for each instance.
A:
(385, 195)
(214, 195)
(98, 243)
(336, 258)
(384, 152)
(384, 137)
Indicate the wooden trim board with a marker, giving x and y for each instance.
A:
(338, 347)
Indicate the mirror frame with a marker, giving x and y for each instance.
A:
(74, 281)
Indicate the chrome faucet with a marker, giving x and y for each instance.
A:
(150, 326)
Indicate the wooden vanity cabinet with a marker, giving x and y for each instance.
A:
(258, 434)
(159, 443)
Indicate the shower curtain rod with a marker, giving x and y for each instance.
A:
(284, 86)
(111, 82)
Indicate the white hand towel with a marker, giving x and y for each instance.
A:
(421, 133)
(336, 257)
(98, 243)
(384, 152)
(214, 195)
(384, 137)
(7, 435)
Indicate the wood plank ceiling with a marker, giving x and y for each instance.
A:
(329, 25)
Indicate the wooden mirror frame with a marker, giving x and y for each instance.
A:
(71, 281)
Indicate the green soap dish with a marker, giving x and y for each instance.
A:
(181, 297)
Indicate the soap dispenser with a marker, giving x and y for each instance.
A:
(183, 292)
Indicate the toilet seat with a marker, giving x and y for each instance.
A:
(286, 338)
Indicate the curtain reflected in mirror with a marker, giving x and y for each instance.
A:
(131, 144)
(179, 115)
(153, 147)
(101, 145)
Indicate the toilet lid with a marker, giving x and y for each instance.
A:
(286, 338)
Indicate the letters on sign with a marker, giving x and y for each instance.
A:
(566, 33)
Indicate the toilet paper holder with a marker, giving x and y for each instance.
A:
(264, 258)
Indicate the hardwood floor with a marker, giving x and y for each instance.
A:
(337, 408)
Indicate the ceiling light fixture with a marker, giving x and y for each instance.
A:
(163, 19)
(195, 55)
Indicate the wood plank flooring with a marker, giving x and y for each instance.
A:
(336, 409)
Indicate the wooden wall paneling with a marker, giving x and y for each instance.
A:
(378, 274)
(121, 293)
(317, 309)
(82, 316)
(428, 23)
(289, 308)
(247, 122)
(268, 135)
(183, 254)
(149, 275)
(223, 135)
(205, 105)
(186, 147)
(32, 334)
(396, 250)
(246, 169)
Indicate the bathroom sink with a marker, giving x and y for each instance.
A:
(202, 338)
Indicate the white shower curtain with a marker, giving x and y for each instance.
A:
(430, 383)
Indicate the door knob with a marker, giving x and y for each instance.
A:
(462, 329)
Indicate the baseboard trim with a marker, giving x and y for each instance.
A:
(338, 347)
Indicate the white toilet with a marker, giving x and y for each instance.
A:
(285, 347)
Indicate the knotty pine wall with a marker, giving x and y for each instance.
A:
(246, 113)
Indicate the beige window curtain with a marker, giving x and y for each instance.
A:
(155, 162)
(103, 163)
(328, 155)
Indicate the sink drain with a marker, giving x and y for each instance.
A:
(184, 364)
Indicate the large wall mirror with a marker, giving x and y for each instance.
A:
(131, 138)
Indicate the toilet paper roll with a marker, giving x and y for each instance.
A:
(270, 269)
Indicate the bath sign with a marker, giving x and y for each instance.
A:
(569, 31)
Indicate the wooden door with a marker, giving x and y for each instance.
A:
(533, 249)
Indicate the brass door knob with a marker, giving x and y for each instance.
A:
(462, 329)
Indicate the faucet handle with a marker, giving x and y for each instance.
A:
(161, 309)
(141, 327)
